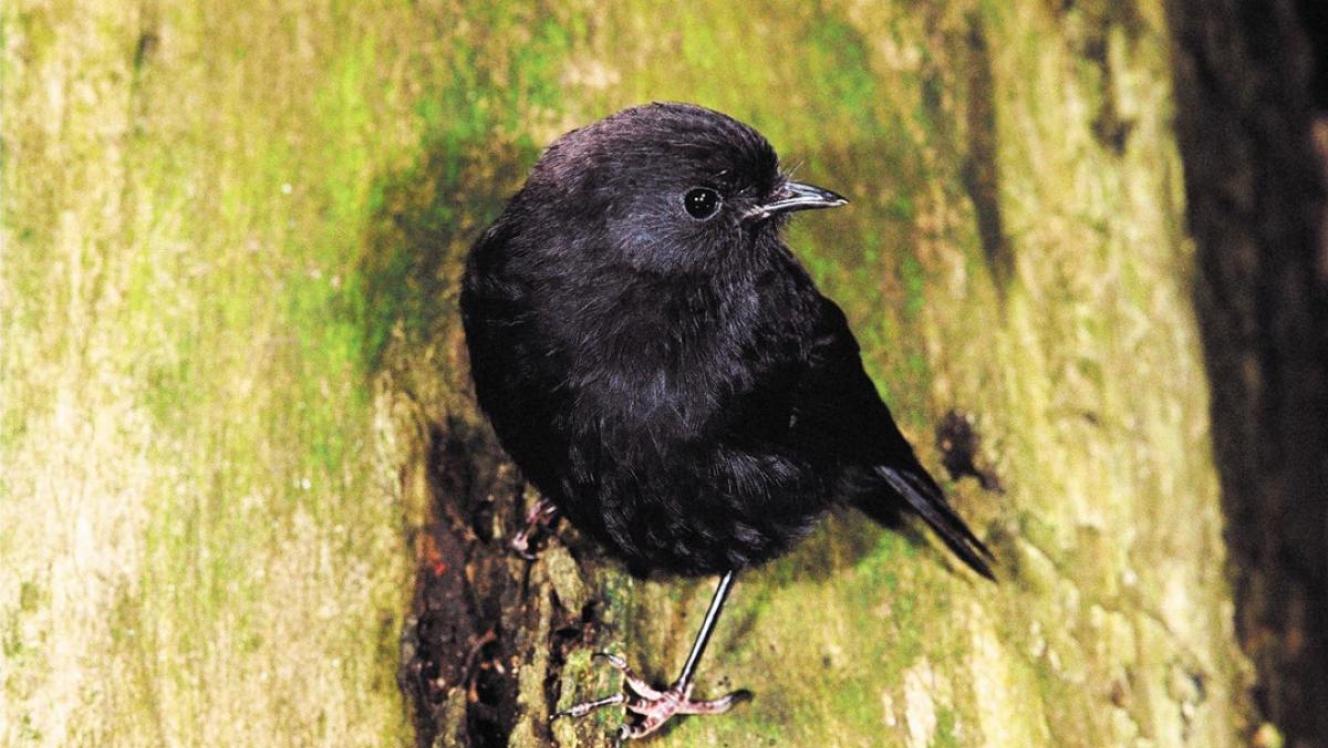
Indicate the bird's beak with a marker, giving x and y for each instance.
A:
(797, 196)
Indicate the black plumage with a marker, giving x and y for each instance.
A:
(660, 365)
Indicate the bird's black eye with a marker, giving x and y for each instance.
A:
(701, 202)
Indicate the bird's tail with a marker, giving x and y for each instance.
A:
(925, 497)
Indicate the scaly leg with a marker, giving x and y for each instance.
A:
(651, 707)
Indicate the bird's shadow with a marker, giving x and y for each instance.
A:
(456, 480)
(844, 540)
(840, 542)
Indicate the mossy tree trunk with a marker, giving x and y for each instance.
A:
(232, 367)
(1015, 255)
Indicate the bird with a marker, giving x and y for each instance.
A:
(662, 368)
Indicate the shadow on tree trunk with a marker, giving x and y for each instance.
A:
(1250, 79)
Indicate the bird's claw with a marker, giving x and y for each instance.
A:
(650, 708)
(520, 545)
(541, 515)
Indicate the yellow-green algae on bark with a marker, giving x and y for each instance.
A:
(231, 243)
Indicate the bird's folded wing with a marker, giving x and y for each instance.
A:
(838, 414)
(835, 411)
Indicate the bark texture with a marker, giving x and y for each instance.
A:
(247, 498)
(1016, 263)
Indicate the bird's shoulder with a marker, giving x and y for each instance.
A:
(836, 408)
(820, 403)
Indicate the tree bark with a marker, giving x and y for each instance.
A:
(1016, 266)
(1252, 80)
(251, 500)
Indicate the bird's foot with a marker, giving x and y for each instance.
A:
(540, 516)
(648, 707)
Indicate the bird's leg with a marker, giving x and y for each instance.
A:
(650, 706)
(541, 515)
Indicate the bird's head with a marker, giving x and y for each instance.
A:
(667, 188)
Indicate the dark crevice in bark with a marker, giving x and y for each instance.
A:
(961, 450)
(457, 643)
(473, 606)
(980, 174)
(1248, 82)
(1314, 20)
(1110, 128)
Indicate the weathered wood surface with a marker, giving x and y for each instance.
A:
(238, 447)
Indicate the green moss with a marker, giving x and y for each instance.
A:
(215, 333)
(915, 286)
(423, 216)
(835, 55)
(945, 737)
